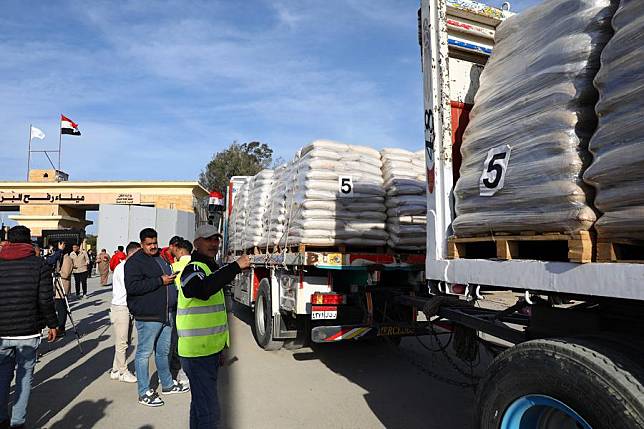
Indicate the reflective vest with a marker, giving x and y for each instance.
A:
(202, 326)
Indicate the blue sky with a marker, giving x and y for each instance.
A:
(157, 87)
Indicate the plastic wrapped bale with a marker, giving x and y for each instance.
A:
(337, 197)
(617, 171)
(406, 201)
(526, 146)
(259, 192)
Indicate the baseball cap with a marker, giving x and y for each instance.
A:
(206, 231)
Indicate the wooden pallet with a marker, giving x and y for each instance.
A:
(577, 247)
(339, 248)
(303, 248)
(620, 250)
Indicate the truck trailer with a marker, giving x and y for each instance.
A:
(570, 346)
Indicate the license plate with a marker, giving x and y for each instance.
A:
(324, 313)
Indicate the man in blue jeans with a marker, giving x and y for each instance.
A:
(26, 301)
(147, 278)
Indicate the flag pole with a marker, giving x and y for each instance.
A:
(60, 138)
(29, 154)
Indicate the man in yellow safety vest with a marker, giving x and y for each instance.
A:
(202, 323)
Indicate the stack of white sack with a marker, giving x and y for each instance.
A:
(406, 200)
(259, 197)
(237, 221)
(319, 213)
(617, 172)
(526, 146)
(275, 216)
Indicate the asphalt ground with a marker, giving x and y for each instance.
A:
(344, 385)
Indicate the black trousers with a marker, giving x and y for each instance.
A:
(80, 279)
(61, 313)
(175, 362)
(204, 405)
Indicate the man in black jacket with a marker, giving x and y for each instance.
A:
(26, 305)
(147, 281)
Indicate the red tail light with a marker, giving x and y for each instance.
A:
(327, 299)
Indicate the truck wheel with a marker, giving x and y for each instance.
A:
(563, 383)
(263, 326)
(303, 338)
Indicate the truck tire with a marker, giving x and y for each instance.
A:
(263, 320)
(556, 382)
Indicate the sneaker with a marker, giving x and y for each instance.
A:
(176, 388)
(127, 377)
(151, 399)
(114, 375)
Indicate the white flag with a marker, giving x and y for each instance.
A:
(36, 133)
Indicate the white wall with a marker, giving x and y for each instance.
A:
(120, 224)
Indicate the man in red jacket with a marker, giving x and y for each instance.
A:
(117, 257)
(169, 253)
(26, 306)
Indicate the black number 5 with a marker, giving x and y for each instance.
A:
(498, 168)
(345, 185)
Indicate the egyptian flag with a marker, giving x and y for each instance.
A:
(67, 126)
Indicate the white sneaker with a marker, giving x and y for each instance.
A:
(151, 399)
(176, 388)
(127, 377)
(114, 375)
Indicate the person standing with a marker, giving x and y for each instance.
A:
(54, 257)
(92, 260)
(117, 258)
(202, 323)
(181, 254)
(147, 277)
(26, 306)
(103, 264)
(79, 262)
(168, 253)
(121, 320)
(62, 287)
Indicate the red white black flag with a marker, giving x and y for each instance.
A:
(67, 126)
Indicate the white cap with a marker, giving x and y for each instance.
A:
(206, 231)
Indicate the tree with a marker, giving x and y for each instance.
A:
(245, 159)
(90, 240)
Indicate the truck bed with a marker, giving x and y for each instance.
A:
(619, 280)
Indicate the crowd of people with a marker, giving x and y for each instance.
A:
(172, 297)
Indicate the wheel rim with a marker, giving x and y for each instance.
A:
(541, 412)
(259, 316)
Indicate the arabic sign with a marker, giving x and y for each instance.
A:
(15, 198)
(128, 199)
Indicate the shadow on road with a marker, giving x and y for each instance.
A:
(398, 391)
(83, 415)
(51, 393)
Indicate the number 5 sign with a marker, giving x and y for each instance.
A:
(494, 169)
(345, 183)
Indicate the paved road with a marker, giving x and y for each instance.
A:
(344, 385)
(357, 385)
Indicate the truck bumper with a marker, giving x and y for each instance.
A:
(330, 334)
